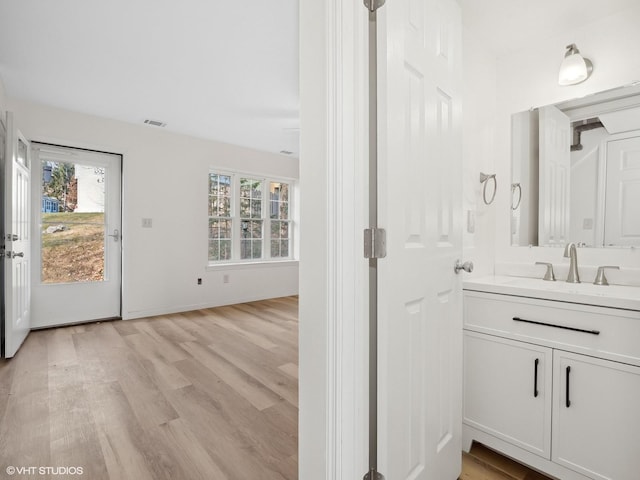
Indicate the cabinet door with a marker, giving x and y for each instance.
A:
(507, 390)
(596, 420)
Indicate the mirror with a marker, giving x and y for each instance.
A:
(576, 172)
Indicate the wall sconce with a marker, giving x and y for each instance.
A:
(575, 68)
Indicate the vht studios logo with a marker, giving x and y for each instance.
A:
(11, 470)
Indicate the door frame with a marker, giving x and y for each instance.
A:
(333, 421)
(3, 155)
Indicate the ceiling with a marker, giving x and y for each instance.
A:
(506, 26)
(217, 69)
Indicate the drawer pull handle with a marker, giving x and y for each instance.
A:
(592, 332)
(535, 378)
(568, 401)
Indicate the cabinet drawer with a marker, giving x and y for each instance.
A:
(597, 331)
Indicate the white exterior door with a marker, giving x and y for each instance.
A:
(555, 176)
(420, 297)
(77, 246)
(622, 222)
(17, 241)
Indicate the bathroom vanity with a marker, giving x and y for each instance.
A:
(552, 375)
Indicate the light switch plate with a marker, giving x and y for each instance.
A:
(147, 223)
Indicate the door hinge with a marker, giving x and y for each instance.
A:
(373, 475)
(375, 243)
(373, 5)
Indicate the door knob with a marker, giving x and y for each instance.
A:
(115, 235)
(466, 266)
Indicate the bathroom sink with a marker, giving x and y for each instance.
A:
(618, 296)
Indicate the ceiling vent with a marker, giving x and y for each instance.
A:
(155, 123)
(285, 152)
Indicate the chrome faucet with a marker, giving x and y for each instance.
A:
(570, 252)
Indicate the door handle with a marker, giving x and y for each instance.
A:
(567, 399)
(466, 266)
(10, 254)
(535, 378)
(115, 235)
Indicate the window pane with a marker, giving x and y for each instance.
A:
(284, 192)
(284, 210)
(213, 183)
(256, 248)
(219, 228)
(275, 248)
(256, 209)
(279, 200)
(224, 209)
(250, 188)
(225, 249)
(250, 249)
(245, 207)
(225, 229)
(284, 248)
(214, 251)
(284, 230)
(251, 229)
(73, 222)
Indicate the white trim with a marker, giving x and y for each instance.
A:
(333, 271)
(213, 267)
(347, 289)
(153, 312)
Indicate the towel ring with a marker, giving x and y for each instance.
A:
(514, 187)
(484, 179)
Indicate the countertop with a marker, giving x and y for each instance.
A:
(614, 296)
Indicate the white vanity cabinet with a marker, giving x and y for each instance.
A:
(520, 356)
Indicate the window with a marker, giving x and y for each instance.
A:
(220, 221)
(249, 218)
(279, 216)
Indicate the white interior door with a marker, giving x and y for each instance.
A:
(555, 176)
(17, 241)
(77, 248)
(622, 221)
(420, 206)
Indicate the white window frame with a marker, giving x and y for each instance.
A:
(236, 221)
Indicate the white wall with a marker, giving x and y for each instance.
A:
(165, 179)
(479, 112)
(3, 99)
(528, 78)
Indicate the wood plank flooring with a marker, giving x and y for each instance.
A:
(210, 394)
(482, 463)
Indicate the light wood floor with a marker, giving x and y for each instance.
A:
(210, 394)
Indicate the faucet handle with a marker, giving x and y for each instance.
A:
(601, 279)
(549, 275)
